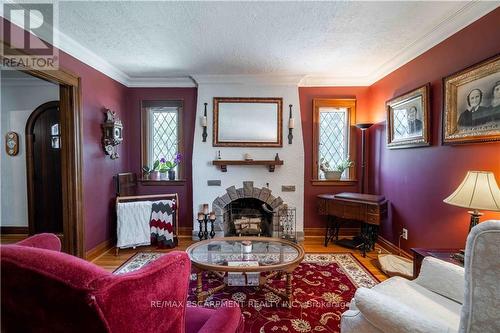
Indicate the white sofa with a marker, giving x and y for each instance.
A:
(443, 298)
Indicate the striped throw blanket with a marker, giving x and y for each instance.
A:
(162, 224)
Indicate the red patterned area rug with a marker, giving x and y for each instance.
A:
(323, 286)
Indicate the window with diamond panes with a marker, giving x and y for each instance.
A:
(163, 130)
(333, 137)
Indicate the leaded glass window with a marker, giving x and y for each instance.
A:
(161, 131)
(333, 136)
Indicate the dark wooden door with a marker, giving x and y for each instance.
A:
(44, 179)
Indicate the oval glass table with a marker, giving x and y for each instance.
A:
(239, 261)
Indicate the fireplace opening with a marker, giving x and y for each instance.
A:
(248, 217)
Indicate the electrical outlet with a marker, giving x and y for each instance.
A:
(404, 234)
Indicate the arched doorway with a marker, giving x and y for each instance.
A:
(44, 178)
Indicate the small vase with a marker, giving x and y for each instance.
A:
(154, 175)
(171, 174)
(163, 175)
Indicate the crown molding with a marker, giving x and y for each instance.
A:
(332, 81)
(250, 79)
(470, 12)
(161, 82)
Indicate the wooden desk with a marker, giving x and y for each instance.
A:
(366, 208)
(444, 254)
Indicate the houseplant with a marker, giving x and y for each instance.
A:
(152, 172)
(335, 173)
(169, 166)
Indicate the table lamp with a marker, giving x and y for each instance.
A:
(479, 190)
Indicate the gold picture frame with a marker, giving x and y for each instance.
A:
(471, 104)
(248, 122)
(408, 119)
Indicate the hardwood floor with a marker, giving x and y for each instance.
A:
(110, 262)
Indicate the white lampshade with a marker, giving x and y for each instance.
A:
(479, 190)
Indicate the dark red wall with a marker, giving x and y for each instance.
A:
(417, 180)
(306, 95)
(98, 92)
(184, 190)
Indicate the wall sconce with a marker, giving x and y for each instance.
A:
(112, 134)
(291, 126)
(204, 123)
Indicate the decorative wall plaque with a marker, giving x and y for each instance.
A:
(12, 143)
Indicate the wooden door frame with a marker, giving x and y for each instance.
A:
(71, 154)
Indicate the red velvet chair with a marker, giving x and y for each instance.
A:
(44, 290)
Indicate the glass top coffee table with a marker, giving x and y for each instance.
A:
(240, 260)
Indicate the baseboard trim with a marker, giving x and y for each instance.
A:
(185, 232)
(14, 230)
(389, 246)
(99, 250)
(320, 232)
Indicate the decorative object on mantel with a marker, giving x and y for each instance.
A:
(271, 164)
(478, 190)
(218, 155)
(363, 127)
(112, 134)
(204, 123)
(203, 218)
(336, 173)
(248, 157)
(12, 143)
(291, 126)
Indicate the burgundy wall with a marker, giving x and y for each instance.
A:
(184, 190)
(306, 95)
(98, 92)
(417, 180)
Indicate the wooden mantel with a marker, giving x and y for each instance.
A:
(271, 164)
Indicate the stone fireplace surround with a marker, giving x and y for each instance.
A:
(221, 204)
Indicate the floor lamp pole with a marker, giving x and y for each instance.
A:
(363, 128)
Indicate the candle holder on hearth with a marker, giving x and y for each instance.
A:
(203, 219)
(287, 217)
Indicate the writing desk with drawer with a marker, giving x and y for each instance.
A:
(368, 209)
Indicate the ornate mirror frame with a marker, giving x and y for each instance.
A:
(248, 100)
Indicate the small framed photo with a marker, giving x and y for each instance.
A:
(471, 104)
(408, 119)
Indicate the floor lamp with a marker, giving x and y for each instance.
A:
(363, 127)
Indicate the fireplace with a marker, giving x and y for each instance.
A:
(248, 217)
(247, 211)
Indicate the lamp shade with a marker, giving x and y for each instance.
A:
(479, 190)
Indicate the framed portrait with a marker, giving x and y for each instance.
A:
(471, 104)
(408, 119)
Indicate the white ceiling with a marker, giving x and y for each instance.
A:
(316, 43)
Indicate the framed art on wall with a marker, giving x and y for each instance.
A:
(471, 104)
(408, 120)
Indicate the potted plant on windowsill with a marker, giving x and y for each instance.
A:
(153, 172)
(168, 167)
(335, 173)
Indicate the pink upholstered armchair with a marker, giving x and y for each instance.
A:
(44, 290)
